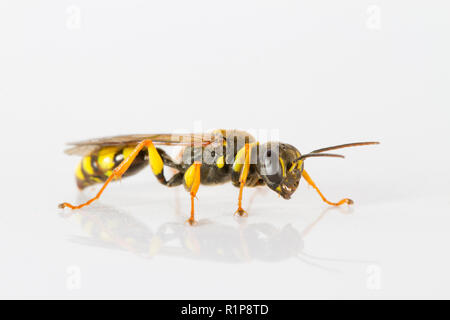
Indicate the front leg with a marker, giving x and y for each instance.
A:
(311, 182)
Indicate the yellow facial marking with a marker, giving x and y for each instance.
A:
(283, 166)
(299, 163)
(87, 166)
(78, 172)
(220, 162)
(156, 163)
(105, 158)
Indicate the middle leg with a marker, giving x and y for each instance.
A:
(243, 179)
(192, 183)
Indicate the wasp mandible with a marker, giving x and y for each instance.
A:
(209, 159)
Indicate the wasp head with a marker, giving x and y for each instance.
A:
(279, 167)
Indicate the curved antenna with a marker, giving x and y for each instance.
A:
(309, 155)
(355, 144)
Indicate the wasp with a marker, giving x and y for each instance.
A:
(209, 159)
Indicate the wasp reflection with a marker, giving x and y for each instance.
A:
(110, 228)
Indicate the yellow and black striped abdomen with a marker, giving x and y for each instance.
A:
(98, 166)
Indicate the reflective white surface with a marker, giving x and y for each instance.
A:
(316, 73)
(134, 243)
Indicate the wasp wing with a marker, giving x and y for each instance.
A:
(86, 147)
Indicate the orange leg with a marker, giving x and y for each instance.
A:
(116, 174)
(309, 180)
(243, 179)
(194, 189)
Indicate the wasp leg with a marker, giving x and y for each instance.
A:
(156, 163)
(309, 180)
(192, 178)
(176, 180)
(168, 161)
(242, 180)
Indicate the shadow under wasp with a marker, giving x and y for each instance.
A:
(209, 159)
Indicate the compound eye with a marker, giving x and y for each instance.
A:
(272, 168)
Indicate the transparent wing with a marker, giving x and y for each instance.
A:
(86, 147)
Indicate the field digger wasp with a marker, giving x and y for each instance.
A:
(209, 159)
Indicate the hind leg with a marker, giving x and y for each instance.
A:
(156, 164)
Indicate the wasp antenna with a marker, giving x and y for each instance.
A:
(355, 144)
(309, 155)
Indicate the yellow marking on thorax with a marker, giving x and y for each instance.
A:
(105, 158)
(87, 165)
(78, 172)
(220, 162)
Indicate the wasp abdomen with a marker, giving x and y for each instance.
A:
(98, 166)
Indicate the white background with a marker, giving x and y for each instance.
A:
(319, 72)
